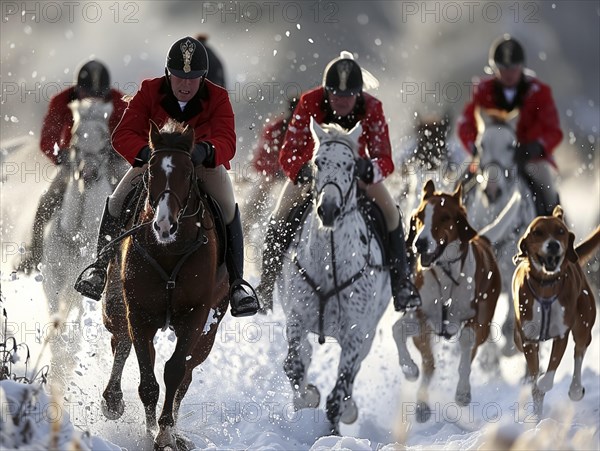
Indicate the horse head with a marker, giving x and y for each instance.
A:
(496, 145)
(170, 177)
(90, 137)
(334, 166)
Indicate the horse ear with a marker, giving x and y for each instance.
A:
(355, 133)
(428, 189)
(558, 213)
(188, 134)
(316, 130)
(154, 135)
(571, 252)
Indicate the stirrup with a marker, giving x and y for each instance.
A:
(410, 302)
(244, 305)
(88, 288)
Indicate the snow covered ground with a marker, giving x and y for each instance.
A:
(240, 397)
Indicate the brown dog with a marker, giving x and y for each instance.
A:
(552, 298)
(459, 284)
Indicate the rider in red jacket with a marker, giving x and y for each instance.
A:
(538, 128)
(340, 100)
(185, 95)
(93, 81)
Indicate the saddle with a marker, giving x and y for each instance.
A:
(371, 213)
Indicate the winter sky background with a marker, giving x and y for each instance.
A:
(424, 55)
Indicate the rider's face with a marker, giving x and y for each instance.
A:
(342, 105)
(509, 76)
(185, 88)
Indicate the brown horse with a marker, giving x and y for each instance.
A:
(170, 273)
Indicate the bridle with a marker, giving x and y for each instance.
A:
(193, 186)
(343, 196)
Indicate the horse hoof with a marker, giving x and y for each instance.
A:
(349, 412)
(508, 350)
(423, 412)
(113, 412)
(411, 372)
(463, 399)
(311, 398)
(576, 394)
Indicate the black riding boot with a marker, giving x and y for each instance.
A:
(404, 292)
(91, 281)
(276, 241)
(243, 302)
(50, 202)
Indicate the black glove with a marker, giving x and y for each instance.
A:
(62, 156)
(142, 157)
(305, 175)
(527, 152)
(364, 170)
(203, 153)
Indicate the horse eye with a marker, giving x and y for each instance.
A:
(349, 166)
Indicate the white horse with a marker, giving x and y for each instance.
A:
(94, 170)
(334, 282)
(497, 183)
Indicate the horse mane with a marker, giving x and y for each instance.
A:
(336, 132)
(173, 135)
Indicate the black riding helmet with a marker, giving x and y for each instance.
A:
(93, 80)
(343, 77)
(505, 52)
(187, 58)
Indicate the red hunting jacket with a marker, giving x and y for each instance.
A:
(57, 125)
(266, 154)
(538, 117)
(298, 145)
(209, 113)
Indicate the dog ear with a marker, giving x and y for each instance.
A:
(465, 232)
(458, 193)
(571, 253)
(412, 231)
(428, 189)
(558, 213)
(522, 247)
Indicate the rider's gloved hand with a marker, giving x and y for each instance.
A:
(364, 170)
(142, 157)
(62, 156)
(528, 152)
(305, 175)
(203, 154)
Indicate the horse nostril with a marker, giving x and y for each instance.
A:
(173, 228)
(156, 227)
(320, 211)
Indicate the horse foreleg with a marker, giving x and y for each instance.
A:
(508, 331)
(198, 355)
(148, 390)
(296, 365)
(340, 405)
(113, 405)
